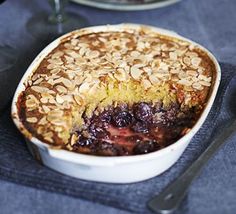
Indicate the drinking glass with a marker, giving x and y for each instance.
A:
(57, 23)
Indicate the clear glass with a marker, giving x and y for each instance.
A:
(47, 28)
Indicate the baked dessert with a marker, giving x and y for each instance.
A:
(113, 93)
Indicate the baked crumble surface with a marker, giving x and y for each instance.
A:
(109, 72)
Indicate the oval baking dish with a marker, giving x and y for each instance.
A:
(118, 169)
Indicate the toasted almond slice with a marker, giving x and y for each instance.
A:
(68, 45)
(74, 139)
(154, 80)
(58, 122)
(61, 89)
(57, 54)
(174, 71)
(67, 83)
(146, 84)
(182, 75)
(196, 61)
(59, 99)
(121, 75)
(84, 87)
(39, 89)
(55, 71)
(135, 72)
(78, 99)
(74, 42)
(52, 66)
(55, 61)
(36, 82)
(30, 103)
(44, 100)
(94, 54)
(82, 51)
(191, 73)
(185, 82)
(45, 108)
(43, 121)
(69, 59)
(197, 86)
(173, 56)
(49, 139)
(32, 119)
(55, 113)
(204, 83)
(186, 60)
(208, 79)
(135, 53)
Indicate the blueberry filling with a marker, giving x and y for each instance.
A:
(140, 129)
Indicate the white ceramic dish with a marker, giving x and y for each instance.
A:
(125, 169)
(126, 5)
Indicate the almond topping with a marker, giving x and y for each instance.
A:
(135, 72)
(59, 99)
(84, 87)
(32, 119)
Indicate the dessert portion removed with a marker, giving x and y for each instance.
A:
(117, 93)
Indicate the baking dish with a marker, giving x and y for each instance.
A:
(123, 169)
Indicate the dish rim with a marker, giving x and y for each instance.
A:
(93, 160)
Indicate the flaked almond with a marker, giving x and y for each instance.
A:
(72, 53)
(163, 66)
(204, 83)
(39, 89)
(148, 70)
(121, 75)
(31, 103)
(173, 56)
(74, 42)
(44, 100)
(174, 71)
(43, 121)
(197, 86)
(67, 83)
(78, 99)
(154, 80)
(32, 119)
(135, 72)
(69, 59)
(182, 75)
(82, 51)
(84, 87)
(55, 113)
(57, 54)
(185, 82)
(196, 61)
(36, 82)
(187, 60)
(68, 45)
(146, 84)
(135, 53)
(74, 139)
(55, 61)
(93, 54)
(59, 99)
(61, 89)
(191, 73)
(55, 71)
(52, 66)
(45, 108)
(58, 122)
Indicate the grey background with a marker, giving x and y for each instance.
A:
(209, 22)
